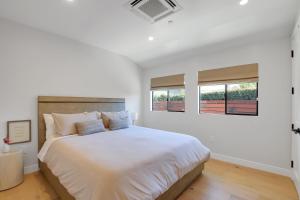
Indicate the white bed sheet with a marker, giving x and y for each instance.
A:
(128, 164)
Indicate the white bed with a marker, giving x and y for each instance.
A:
(128, 164)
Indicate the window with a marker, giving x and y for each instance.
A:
(171, 100)
(232, 99)
(231, 90)
(168, 93)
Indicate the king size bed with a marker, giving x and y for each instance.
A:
(134, 163)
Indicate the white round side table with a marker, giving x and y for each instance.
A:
(11, 169)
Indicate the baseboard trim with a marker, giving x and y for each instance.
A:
(254, 165)
(31, 168)
(296, 180)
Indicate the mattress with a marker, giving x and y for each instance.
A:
(129, 164)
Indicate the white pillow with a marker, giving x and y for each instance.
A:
(65, 123)
(50, 127)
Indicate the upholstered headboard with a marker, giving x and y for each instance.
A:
(68, 105)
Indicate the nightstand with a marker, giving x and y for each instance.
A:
(11, 169)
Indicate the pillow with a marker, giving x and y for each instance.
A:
(90, 127)
(115, 124)
(50, 127)
(106, 116)
(65, 123)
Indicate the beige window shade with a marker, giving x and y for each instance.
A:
(241, 73)
(168, 81)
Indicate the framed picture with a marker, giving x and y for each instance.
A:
(19, 131)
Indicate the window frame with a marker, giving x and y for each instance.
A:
(168, 100)
(226, 99)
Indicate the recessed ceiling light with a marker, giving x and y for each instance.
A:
(70, 1)
(150, 38)
(243, 2)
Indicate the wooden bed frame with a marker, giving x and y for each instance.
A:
(48, 105)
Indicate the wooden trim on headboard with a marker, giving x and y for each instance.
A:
(57, 99)
(69, 105)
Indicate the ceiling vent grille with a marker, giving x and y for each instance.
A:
(154, 10)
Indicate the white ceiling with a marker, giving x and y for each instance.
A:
(109, 25)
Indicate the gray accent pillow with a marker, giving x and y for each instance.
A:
(106, 116)
(115, 124)
(90, 127)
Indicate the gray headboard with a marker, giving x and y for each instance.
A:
(68, 105)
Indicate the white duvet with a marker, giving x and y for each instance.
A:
(129, 164)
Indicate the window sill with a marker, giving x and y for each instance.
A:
(166, 111)
(250, 115)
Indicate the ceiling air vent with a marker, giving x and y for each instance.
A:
(154, 10)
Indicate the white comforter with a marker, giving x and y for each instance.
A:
(129, 164)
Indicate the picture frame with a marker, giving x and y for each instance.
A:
(19, 131)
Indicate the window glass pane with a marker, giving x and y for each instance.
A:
(212, 99)
(242, 98)
(159, 100)
(176, 100)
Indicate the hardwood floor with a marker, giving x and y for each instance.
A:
(223, 181)
(220, 181)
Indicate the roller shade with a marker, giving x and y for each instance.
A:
(167, 81)
(241, 73)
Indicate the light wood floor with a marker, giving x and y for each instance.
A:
(220, 181)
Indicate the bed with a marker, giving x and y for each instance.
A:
(137, 163)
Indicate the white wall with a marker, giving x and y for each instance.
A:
(34, 63)
(264, 140)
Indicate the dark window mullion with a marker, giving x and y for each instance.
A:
(168, 100)
(152, 99)
(256, 98)
(226, 99)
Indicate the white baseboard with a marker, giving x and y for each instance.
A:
(296, 179)
(251, 164)
(31, 168)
